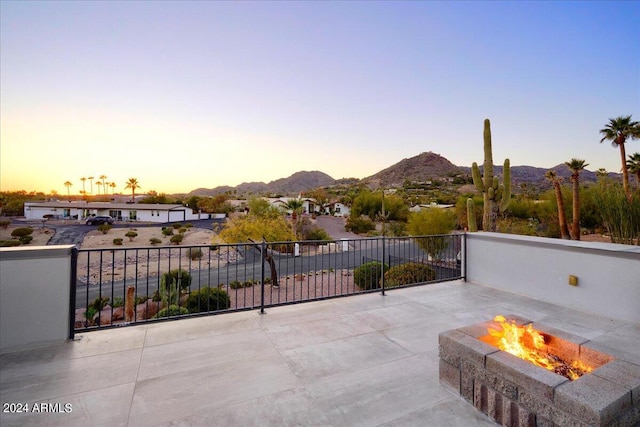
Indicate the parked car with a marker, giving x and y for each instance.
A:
(97, 220)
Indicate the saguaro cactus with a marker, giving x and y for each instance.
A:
(496, 196)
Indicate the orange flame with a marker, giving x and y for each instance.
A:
(528, 344)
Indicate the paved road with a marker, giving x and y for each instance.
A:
(334, 226)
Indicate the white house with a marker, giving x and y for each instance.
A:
(418, 208)
(337, 209)
(119, 211)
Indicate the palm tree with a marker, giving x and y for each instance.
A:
(91, 182)
(576, 165)
(104, 185)
(617, 131)
(633, 165)
(132, 183)
(113, 188)
(68, 184)
(83, 179)
(99, 185)
(295, 205)
(552, 176)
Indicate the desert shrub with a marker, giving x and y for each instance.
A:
(315, 233)
(397, 228)
(213, 247)
(235, 284)
(177, 239)
(22, 231)
(9, 243)
(117, 241)
(131, 235)
(359, 225)
(182, 230)
(118, 302)
(155, 241)
(208, 299)
(409, 273)
(25, 240)
(188, 225)
(368, 275)
(141, 298)
(193, 253)
(104, 228)
(172, 310)
(5, 223)
(180, 277)
(249, 283)
(177, 226)
(167, 231)
(99, 303)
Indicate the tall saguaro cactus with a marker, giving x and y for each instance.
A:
(496, 196)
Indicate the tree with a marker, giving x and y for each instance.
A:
(617, 131)
(104, 185)
(68, 184)
(99, 185)
(552, 176)
(576, 166)
(295, 206)
(132, 183)
(113, 187)
(633, 165)
(83, 179)
(91, 182)
(431, 221)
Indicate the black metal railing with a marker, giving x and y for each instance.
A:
(121, 286)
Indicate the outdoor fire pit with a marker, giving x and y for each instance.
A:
(551, 377)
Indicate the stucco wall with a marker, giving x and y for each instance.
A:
(608, 274)
(34, 296)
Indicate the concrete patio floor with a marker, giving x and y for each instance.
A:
(366, 360)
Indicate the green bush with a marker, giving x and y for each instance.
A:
(188, 225)
(167, 231)
(104, 228)
(182, 230)
(177, 226)
(179, 277)
(9, 243)
(117, 241)
(407, 274)
(208, 299)
(235, 284)
(177, 239)
(172, 310)
(99, 303)
(141, 298)
(316, 233)
(368, 275)
(359, 225)
(118, 302)
(5, 223)
(22, 231)
(155, 241)
(25, 240)
(194, 253)
(131, 235)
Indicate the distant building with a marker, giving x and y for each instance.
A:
(119, 211)
(337, 209)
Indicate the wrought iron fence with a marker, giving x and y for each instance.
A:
(121, 286)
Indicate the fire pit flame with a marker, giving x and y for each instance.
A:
(528, 344)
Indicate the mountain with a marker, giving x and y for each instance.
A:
(420, 168)
(294, 184)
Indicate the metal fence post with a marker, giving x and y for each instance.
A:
(382, 264)
(72, 292)
(463, 257)
(263, 248)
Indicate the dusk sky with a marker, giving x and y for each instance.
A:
(182, 95)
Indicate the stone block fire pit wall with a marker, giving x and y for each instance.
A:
(514, 392)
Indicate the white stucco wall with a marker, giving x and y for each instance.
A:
(608, 274)
(34, 296)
